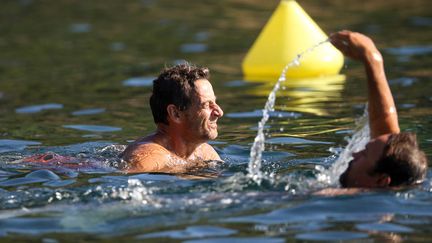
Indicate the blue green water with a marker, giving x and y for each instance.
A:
(75, 80)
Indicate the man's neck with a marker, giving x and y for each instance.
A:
(173, 140)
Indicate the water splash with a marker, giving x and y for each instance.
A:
(357, 142)
(254, 168)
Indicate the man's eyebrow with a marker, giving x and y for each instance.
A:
(210, 99)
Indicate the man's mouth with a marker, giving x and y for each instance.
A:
(213, 124)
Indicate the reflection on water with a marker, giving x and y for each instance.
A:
(38, 108)
(93, 128)
(193, 48)
(190, 232)
(421, 21)
(117, 46)
(259, 114)
(139, 82)
(80, 28)
(7, 145)
(410, 50)
(78, 66)
(92, 111)
(305, 95)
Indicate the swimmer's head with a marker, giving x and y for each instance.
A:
(387, 161)
(175, 85)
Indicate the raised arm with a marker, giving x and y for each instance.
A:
(382, 111)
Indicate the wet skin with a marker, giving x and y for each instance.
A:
(383, 119)
(360, 170)
(180, 146)
(201, 118)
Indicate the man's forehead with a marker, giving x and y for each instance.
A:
(204, 89)
(203, 83)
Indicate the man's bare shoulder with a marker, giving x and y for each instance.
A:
(145, 156)
(145, 148)
(208, 152)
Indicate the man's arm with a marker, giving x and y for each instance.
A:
(382, 111)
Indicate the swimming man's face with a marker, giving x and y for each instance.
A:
(360, 171)
(204, 112)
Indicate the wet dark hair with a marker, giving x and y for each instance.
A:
(402, 160)
(175, 85)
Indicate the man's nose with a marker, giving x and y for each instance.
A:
(218, 111)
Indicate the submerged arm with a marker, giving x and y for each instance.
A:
(382, 111)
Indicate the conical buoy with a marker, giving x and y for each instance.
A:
(289, 32)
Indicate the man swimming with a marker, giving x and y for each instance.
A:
(185, 111)
(391, 158)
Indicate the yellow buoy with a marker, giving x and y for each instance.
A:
(289, 32)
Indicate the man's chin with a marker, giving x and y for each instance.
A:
(213, 135)
(210, 135)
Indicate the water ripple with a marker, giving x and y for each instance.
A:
(92, 111)
(331, 236)
(139, 82)
(410, 50)
(38, 108)
(293, 140)
(80, 28)
(190, 232)
(8, 145)
(193, 48)
(259, 114)
(239, 240)
(93, 128)
(384, 227)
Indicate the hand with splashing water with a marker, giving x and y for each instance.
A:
(356, 46)
(382, 112)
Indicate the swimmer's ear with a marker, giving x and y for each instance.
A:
(383, 180)
(173, 113)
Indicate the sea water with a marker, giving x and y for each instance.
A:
(44, 63)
